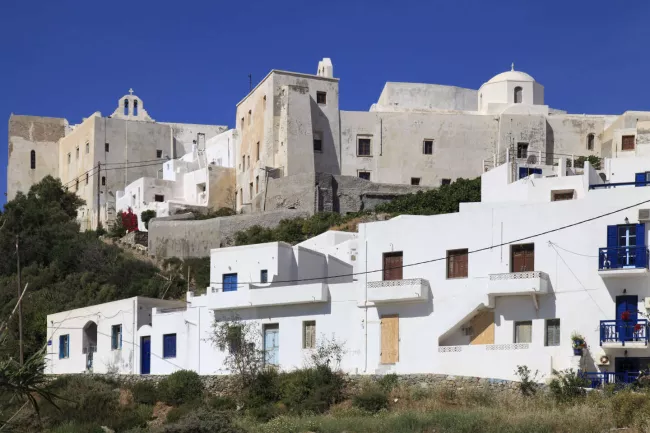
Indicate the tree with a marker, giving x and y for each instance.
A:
(146, 216)
(130, 221)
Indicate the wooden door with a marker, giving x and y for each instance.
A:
(393, 266)
(389, 339)
(483, 328)
(523, 258)
(627, 142)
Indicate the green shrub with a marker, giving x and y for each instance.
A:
(221, 403)
(628, 405)
(144, 393)
(371, 399)
(420, 393)
(311, 389)
(133, 417)
(567, 385)
(263, 390)
(147, 216)
(527, 380)
(180, 387)
(202, 421)
(388, 382)
(176, 413)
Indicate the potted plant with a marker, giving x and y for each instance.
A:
(625, 316)
(578, 343)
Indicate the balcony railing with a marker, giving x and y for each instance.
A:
(601, 378)
(414, 289)
(622, 258)
(624, 331)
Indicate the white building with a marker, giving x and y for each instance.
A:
(200, 180)
(504, 282)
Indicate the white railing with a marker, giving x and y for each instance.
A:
(518, 275)
(512, 346)
(397, 283)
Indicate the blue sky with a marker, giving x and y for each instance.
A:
(189, 61)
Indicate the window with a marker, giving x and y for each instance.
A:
(415, 181)
(524, 172)
(248, 161)
(321, 97)
(158, 153)
(524, 331)
(250, 190)
(257, 184)
(106, 147)
(552, 337)
(126, 107)
(445, 182)
(169, 346)
(309, 334)
(519, 94)
(522, 258)
(250, 116)
(242, 123)
(264, 276)
(64, 346)
(427, 147)
(241, 196)
(393, 266)
(116, 337)
(229, 282)
(103, 180)
(135, 107)
(243, 163)
(627, 142)
(87, 148)
(457, 266)
(522, 150)
(562, 195)
(364, 175)
(364, 146)
(258, 151)
(69, 157)
(77, 152)
(271, 344)
(158, 197)
(86, 178)
(76, 185)
(318, 142)
(590, 142)
(32, 159)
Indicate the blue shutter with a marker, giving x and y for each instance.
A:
(169, 346)
(641, 260)
(67, 346)
(612, 236)
(639, 179)
(536, 171)
(61, 347)
(523, 172)
(612, 249)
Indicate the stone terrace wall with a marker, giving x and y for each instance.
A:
(169, 238)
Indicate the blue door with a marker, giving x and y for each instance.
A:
(272, 344)
(629, 304)
(145, 355)
(229, 282)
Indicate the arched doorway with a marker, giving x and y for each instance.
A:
(89, 343)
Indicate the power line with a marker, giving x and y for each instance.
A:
(445, 258)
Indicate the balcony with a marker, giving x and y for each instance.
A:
(628, 334)
(415, 289)
(250, 296)
(518, 283)
(601, 378)
(622, 261)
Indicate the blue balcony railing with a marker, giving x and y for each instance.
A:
(624, 331)
(601, 378)
(622, 258)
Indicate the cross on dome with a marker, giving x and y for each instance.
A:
(512, 66)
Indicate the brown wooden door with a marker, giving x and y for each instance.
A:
(392, 266)
(523, 258)
(483, 328)
(389, 339)
(627, 142)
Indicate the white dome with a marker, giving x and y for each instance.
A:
(511, 76)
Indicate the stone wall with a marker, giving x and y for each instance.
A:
(173, 238)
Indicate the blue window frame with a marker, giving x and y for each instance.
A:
(169, 346)
(527, 171)
(642, 179)
(264, 276)
(229, 282)
(116, 337)
(626, 247)
(64, 346)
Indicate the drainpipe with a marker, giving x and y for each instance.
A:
(365, 306)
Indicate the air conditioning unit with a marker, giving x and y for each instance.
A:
(644, 214)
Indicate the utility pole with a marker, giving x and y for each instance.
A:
(99, 171)
(20, 303)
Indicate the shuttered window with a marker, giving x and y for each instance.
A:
(393, 266)
(627, 142)
(309, 334)
(524, 332)
(552, 332)
(457, 263)
(522, 258)
(169, 346)
(116, 337)
(64, 346)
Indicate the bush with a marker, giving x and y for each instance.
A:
(567, 386)
(527, 380)
(628, 406)
(147, 216)
(311, 389)
(202, 421)
(388, 382)
(144, 393)
(221, 403)
(176, 413)
(372, 399)
(263, 390)
(180, 387)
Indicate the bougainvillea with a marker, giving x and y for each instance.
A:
(130, 221)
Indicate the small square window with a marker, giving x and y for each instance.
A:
(309, 334)
(264, 276)
(427, 147)
(364, 146)
(552, 337)
(627, 142)
(158, 153)
(318, 142)
(116, 337)
(106, 147)
(522, 150)
(321, 97)
(524, 331)
(445, 182)
(562, 195)
(457, 263)
(169, 346)
(364, 175)
(103, 180)
(415, 181)
(159, 198)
